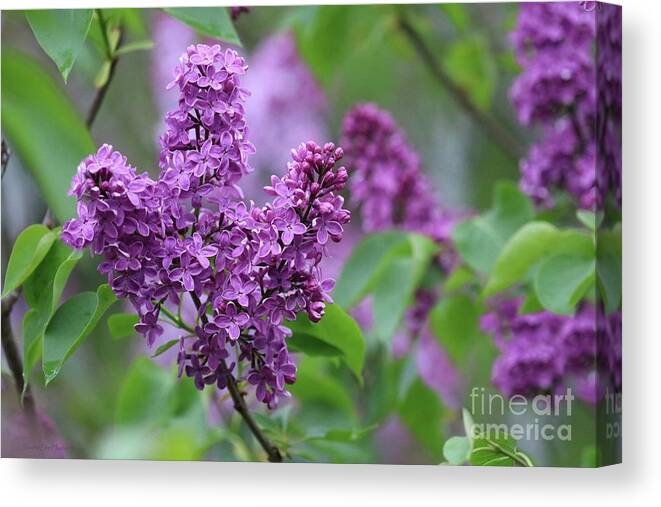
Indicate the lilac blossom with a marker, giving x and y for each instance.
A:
(188, 235)
(543, 352)
(573, 96)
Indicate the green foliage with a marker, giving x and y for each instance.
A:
(459, 278)
(497, 452)
(315, 384)
(368, 260)
(30, 248)
(70, 325)
(210, 21)
(457, 450)
(562, 280)
(455, 323)
(61, 33)
(45, 129)
(158, 417)
(421, 411)
(390, 266)
(471, 66)
(479, 240)
(336, 334)
(121, 324)
(42, 292)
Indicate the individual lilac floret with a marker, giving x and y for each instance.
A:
(246, 269)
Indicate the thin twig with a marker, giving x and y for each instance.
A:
(240, 406)
(508, 144)
(114, 58)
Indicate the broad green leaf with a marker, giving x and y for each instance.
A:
(562, 281)
(210, 21)
(366, 264)
(459, 278)
(336, 329)
(457, 450)
(44, 128)
(121, 324)
(70, 325)
(396, 287)
(315, 385)
(61, 33)
(500, 452)
(42, 292)
(479, 240)
(470, 64)
(312, 346)
(144, 393)
(30, 248)
(609, 277)
(421, 411)
(455, 323)
(529, 244)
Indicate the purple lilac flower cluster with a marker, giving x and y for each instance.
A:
(247, 269)
(554, 44)
(541, 352)
(388, 184)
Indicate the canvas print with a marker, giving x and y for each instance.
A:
(383, 234)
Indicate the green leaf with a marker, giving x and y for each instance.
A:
(421, 412)
(44, 128)
(480, 240)
(70, 325)
(562, 281)
(42, 292)
(315, 385)
(500, 452)
(366, 265)
(588, 218)
(121, 324)
(335, 329)
(457, 450)
(396, 286)
(459, 278)
(470, 64)
(455, 323)
(61, 33)
(165, 347)
(530, 304)
(210, 21)
(609, 277)
(529, 244)
(30, 248)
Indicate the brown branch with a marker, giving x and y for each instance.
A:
(240, 406)
(508, 143)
